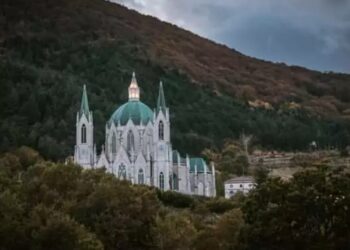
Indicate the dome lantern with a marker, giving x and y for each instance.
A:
(134, 91)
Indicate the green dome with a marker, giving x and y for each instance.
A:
(137, 111)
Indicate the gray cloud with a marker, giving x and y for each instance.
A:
(311, 33)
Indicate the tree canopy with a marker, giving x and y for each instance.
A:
(45, 205)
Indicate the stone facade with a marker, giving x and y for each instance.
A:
(138, 147)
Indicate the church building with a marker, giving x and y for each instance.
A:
(138, 147)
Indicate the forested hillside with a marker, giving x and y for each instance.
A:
(48, 206)
(49, 49)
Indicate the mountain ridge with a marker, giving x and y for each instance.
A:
(220, 67)
(48, 50)
(311, 80)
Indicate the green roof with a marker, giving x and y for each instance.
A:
(200, 165)
(161, 100)
(84, 106)
(137, 111)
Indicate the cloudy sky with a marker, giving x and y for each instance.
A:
(311, 33)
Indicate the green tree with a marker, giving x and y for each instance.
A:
(307, 212)
(53, 230)
(174, 231)
(228, 228)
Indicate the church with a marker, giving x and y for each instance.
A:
(138, 147)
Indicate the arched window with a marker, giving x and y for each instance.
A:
(83, 134)
(114, 143)
(130, 141)
(122, 172)
(161, 130)
(175, 182)
(141, 177)
(161, 181)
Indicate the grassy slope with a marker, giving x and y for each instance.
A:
(50, 49)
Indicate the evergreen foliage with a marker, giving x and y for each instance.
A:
(49, 50)
(44, 205)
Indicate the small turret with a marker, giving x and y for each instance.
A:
(205, 181)
(161, 106)
(195, 179)
(134, 90)
(213, 178)
(94, 160)
(188, 182)
(84, 106)
(161, 118)
(84, 147)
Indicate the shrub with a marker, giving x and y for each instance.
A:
(174, 199)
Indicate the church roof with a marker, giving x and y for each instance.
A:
(84, 106)
(200, 163)
(161, 99)
(241, 179)
(137, 111)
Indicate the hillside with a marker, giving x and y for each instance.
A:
(49, 49)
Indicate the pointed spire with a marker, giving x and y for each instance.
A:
(134, 91)
(133, 78)
(84, 107)
(161, 99)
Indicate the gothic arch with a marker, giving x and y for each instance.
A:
(161, 181)
(130, 141)
(83, 133)
(114, 143)
(141, 177)
(161, 130)
(122, 171)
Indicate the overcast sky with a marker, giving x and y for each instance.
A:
(311, 33)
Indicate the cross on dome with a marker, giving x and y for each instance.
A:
(134, 91)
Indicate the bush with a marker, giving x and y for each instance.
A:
(174, 199)
(220, 205)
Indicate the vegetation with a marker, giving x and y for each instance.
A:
(54, 206)
(309, 212)
(44, 205)
(49, 49)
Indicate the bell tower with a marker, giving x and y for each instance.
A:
(84, 147)
(161, 138)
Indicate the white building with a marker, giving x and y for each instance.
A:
(239, 184)
(138, 147)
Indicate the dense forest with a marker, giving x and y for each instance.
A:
(47, 206)
(49, 49)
